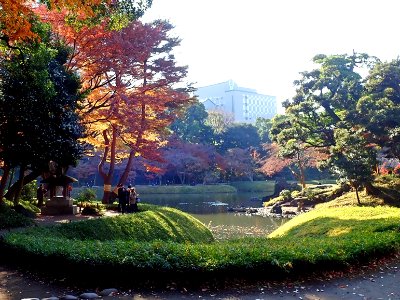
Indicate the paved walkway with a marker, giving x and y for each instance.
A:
(44, 220)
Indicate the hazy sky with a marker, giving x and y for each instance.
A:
(264, 44)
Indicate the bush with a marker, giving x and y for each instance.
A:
(285, 195)
(10, 218)
(90, 211)
(86, 194)
(28, 192)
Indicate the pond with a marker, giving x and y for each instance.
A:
(213, 209)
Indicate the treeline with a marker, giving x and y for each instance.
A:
(340, 122)
(105, 94)
(203, 148)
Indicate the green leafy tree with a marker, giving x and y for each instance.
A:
(379, 108)
(243, 136)
(326, 97)
(289, 150)
(191, 127)
(263, 127)
(325, 105)
(219, 121)
(352, 158)
(38, 123)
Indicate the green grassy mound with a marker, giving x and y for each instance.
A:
(11, 218)
(152, 223)
(343, 235)
(163, 243)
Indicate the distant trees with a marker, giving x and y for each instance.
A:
(263, 128)
(191, 126)
(242, 136)
(336, 120)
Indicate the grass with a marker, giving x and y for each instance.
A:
(339, 221)
(10, 218)
(163, 243)
(266, 187)
(323, 239)
(152, 223)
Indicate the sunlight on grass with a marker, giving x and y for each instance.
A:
(350, 199)
(321, 221)
(338, 231)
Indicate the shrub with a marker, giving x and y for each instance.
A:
(272, 201)
(28, 192)
(9, 218)
(86, 194)
(90, 211)
(286, 195)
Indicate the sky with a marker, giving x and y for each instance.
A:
(265, 44)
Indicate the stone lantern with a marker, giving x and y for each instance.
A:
(60, 202)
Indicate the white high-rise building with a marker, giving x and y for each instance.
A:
(243, 104)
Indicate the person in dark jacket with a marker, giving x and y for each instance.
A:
(122, 198)
(40, 194)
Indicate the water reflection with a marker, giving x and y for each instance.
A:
(205, 203)
(213, 211)
(232, 225)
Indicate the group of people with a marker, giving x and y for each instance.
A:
(127, 199)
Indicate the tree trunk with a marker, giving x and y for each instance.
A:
(182, 177)
(14, 188)
(371, 190)
(3, 182)
(11, 178)
(302, 173)
(300, 177)
(160, 180)
(19, 185)
(358, 197)
(128, 167)
(107, 177)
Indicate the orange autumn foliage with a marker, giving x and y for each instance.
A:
(15, 20)
(128, 77)
(274, 162)
(16, 15)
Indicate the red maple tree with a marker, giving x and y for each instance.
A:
(130, 78)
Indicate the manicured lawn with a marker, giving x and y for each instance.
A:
(166, 243)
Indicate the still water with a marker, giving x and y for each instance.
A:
(213, 211)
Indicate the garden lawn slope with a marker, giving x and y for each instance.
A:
(152, 223)
(320, 240)
(343, 235)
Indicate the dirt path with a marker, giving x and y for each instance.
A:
(379, 280)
